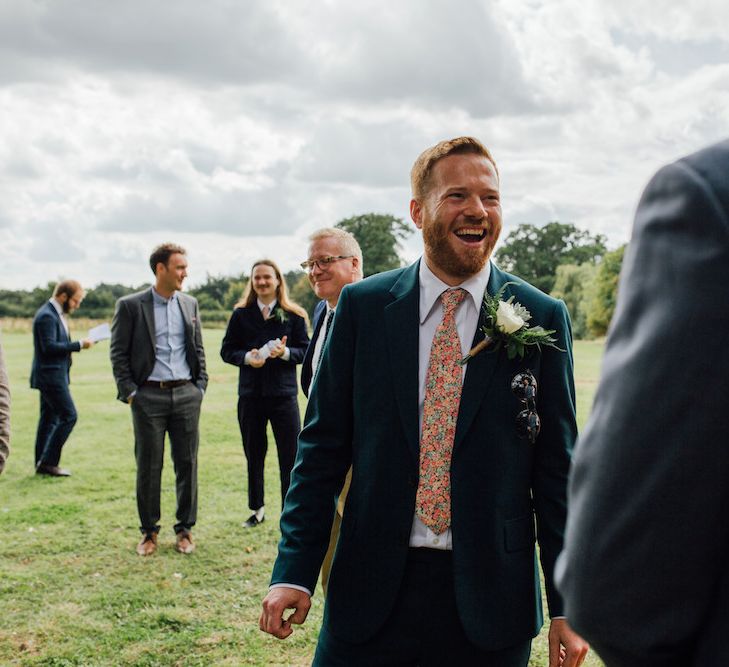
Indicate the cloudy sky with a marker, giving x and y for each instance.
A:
(237, 128)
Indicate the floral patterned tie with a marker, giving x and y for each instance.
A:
(440, 411)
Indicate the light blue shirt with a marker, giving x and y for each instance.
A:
(170, 361)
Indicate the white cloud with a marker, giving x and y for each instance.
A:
(237, 128)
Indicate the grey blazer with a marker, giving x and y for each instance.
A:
(132, 347)
(4, 412)
(645, 570)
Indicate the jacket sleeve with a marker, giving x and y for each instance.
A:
(324, 454)
(4, 412)
(233, 349)
(298, 340)
(120, 350)
(556, 408)
(45, 329)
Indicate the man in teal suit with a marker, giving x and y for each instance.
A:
(405, 590)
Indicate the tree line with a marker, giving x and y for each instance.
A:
(558, 258)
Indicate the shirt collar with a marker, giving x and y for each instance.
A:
(431, 287)
(159, 299)
(57, 305)
(271, 305)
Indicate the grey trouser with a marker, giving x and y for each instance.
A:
(176, 412)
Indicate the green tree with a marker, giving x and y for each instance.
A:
(379, 236)
(301, 292)
(573, 284)
(534, 253)
(602, 304)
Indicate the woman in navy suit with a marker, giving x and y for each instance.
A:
(266, 338)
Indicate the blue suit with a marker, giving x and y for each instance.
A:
(364, 413)
(52, 350)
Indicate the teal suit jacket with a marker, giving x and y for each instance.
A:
(363, 411)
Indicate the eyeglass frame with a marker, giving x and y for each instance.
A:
(525, 427)
(323, 262)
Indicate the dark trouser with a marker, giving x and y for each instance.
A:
(423, 628)
(176, 412)
(57, 419)
(253, 415)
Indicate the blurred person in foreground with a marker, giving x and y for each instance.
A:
(266, 338)
(645, 571)
(334, 260)
(158, 361)
(4, 412)
(436, 561)
(50, 374)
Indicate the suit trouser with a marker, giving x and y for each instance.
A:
(423, 628)
(154, 413)
(57, 418)
(253, 416)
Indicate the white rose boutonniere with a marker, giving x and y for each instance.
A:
(507, 324)
(507, 321)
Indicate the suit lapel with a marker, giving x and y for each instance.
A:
(187, 315)
(401, 324)
(64, 336)
(148, 315)
(480, 369)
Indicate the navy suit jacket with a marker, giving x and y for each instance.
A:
(645, 571)
(52, 350)
(307, 374)
(363, 412)
(247, 330)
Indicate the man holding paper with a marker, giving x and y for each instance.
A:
(52, 348)
(266, 338)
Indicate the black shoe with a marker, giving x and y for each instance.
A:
(253, 521)
(53, 471)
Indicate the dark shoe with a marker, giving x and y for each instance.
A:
(53, 471)
(253, 521)
(184, 543)
(148, 544)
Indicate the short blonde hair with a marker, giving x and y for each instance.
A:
(423, 167)
(347, 242)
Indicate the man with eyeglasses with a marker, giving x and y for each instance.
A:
(436, 560)
(335, 260)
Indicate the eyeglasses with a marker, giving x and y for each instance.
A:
(323, 262)
(524, 386)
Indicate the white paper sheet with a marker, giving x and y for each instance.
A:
(102, 332)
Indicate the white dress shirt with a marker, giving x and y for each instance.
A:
(319, 342)
(59, 309)
(431, 314)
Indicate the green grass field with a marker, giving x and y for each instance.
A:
(72, 589)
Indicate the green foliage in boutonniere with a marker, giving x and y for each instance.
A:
(506, 326)
(280, 315)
